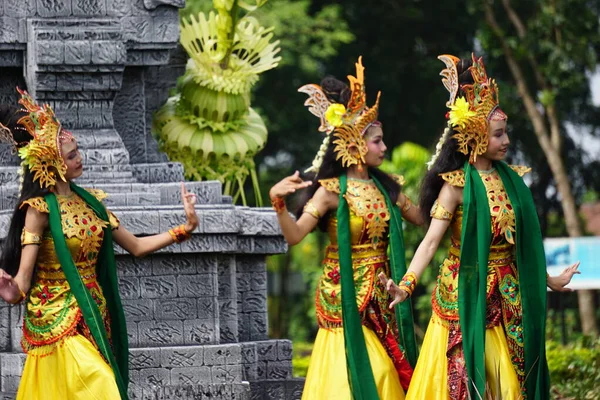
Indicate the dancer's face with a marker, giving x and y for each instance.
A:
(497, 141)
(376, 146)
(73, 160)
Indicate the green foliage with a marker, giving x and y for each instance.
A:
(575, 369)
(301, 358)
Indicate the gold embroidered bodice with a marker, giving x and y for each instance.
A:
(52, 310)
(445, 296)
(369, 221)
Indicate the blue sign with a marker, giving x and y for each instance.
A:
(564, 252)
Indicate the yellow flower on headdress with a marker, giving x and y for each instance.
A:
(460, 112)
(334, 114)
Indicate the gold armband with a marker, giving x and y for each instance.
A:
(30, 238)
(310, 208)
(179, 234)
(439, 212)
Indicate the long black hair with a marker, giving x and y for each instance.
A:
(449, 158)
(339, 92)
(11, 246)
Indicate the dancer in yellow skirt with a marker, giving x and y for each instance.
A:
(486, 335)
(58, 257)
(361, 351)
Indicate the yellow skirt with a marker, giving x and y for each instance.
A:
(70, 370)
(430, 379)
(327, 376)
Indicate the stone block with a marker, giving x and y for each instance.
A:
(191, 376)
(16, 8)
(53, 8)
(207, 307)
(149, 377)
(284, 350)
(138, 310)
(118, 8)
(134, 266)
(201, 285)
(175, 309)
(254, 301)
(267, 350)
(200, 331)
(173, 265)
(160, 333)
(165, 30)
(182, 357)
(228, 330)
(89, 8)
(108, 52)
(158, 287)
(144, 358)
(140, 222)
(275, 391)
(258, 325)
(227, 373)
(138, 29)
(279, 370)
(9, 31)
(133, 334)
(129, 287)
(69, 82)
(78, 52)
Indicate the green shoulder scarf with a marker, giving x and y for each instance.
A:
(531, 267)
(107, 278)
(360, 374)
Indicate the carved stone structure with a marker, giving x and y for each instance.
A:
(196, 312)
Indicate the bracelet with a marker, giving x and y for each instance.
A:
(179, 234)
(278, 204)
(408, 283)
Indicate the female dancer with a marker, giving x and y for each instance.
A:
(486, 334)
(357, 353)
(58, 257)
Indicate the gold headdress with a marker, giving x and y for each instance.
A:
(470, 115)
(347, 123)
(42, 154)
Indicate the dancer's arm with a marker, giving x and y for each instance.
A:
(322, 201)
(12, 290)
(449, 197)
(141, 246)
(410, 212)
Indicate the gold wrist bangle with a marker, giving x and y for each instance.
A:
(179, 234)
(408, 283)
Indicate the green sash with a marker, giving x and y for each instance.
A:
(107, 278)
(531, 268)
(360, 375)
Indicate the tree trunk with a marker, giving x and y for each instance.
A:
(550, 142)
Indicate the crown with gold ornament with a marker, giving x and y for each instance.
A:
(347, 123)
(42, 154)
(470, 115)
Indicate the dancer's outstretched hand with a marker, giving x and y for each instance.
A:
(398, 294)
(288, 185)
(558, 283)
(9, 289)
(189, 201)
